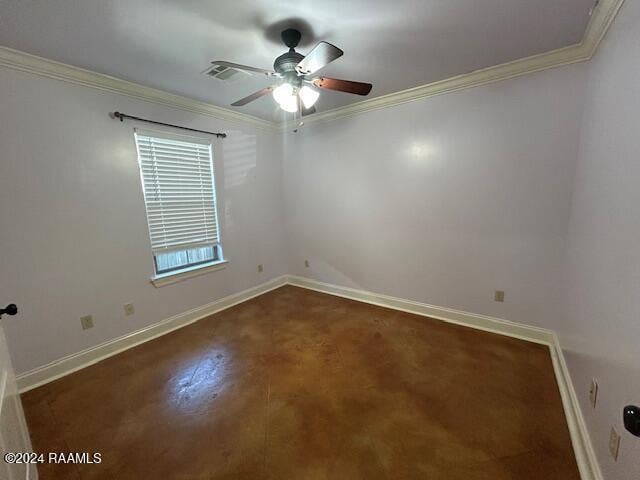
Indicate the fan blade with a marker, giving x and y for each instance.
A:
(246, 68)
(359, 88)
(308, 111)
(322, 54)
(253, 96)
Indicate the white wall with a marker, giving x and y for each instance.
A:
(601, 332)
(73, 235)
(443, 200)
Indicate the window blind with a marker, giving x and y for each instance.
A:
(179, 192)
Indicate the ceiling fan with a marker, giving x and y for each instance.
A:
(296, 72)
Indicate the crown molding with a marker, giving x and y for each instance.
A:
(25, 62)
(485, 76)
(602, 16)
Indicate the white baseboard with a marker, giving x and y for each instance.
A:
(582, 446)
(479, 322)
(583, 449)
(76, 361)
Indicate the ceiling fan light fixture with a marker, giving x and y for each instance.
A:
(282, 92)
(294, 70)
(290, 104)
(309, 96)
(286, 97)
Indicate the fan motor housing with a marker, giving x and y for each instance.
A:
(287, 62)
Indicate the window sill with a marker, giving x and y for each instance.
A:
(185, 273)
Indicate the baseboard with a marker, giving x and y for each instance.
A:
(580, 439)
(479, 322)
(71, 363)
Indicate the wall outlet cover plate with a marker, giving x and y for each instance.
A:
(129, 309)
(86, 322)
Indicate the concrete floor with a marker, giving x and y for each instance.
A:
(295, 385)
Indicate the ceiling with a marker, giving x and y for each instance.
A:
(395, 45)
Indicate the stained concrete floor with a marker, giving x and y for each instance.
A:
(296, 384)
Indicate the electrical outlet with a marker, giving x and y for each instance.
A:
(306, 263)
(593, 393)
(260, 268)
(86, 322)
(129, 309)
(614, 443)
(499, 296)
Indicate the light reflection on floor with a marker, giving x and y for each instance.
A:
(199, 382)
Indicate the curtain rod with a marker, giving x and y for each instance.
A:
(122, 116)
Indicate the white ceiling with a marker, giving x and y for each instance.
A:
(393, 44)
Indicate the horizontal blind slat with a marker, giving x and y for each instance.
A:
(153, 146)
(181, 213)
(187, 187)
(147, 140)
(148, 153)
(171, 235)
(177, 222)
(175, 201)
(190, 236)
(187, 237)
(187, 162)
(183, 245)
(160, 169)
(185, 233)
(175, 226)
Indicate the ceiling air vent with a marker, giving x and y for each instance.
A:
(227, 74)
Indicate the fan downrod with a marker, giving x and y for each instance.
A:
(291, 37)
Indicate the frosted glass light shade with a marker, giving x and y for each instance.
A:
(282, 93)
(309, 96)
(290, 104)
(286, 98)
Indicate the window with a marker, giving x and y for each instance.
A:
(180, 199)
